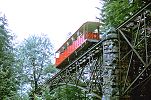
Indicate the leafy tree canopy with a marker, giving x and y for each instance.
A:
(64, 92)
(8, 81)
(114, 12)
(34, 59)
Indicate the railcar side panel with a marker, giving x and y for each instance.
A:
(70, 49)
(82, 39)
(92, 36)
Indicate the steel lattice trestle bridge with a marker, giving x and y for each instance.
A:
(118, 66)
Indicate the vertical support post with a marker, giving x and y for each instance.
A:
(111, 69)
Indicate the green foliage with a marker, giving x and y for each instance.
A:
(47, 95)
(49, 69)
(17, 96)
(64, 93)
(117, 11)
(8, 80)
(34, 61)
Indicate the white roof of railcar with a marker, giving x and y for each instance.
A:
(88, 26)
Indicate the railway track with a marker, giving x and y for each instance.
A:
(116, 67)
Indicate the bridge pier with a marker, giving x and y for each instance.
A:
(118, 66)
(110, 69)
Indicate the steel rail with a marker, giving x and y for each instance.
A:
(93, 47)
(98, 43)
(132, 17)
(75, 60)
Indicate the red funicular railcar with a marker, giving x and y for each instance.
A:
(84, 37)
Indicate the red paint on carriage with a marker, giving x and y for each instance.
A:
(72, 45)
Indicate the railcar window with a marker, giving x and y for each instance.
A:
(73, 39)
(57, 54)
(61, 50)
(65, 47)
(78, 33)
(70, 42)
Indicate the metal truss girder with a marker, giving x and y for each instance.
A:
(93, 93)
(145, 80)
(132, 50)
(139, 36)
(76, 71)
(146, 66)
(134, 16)
(128, 70)
(132, 47)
